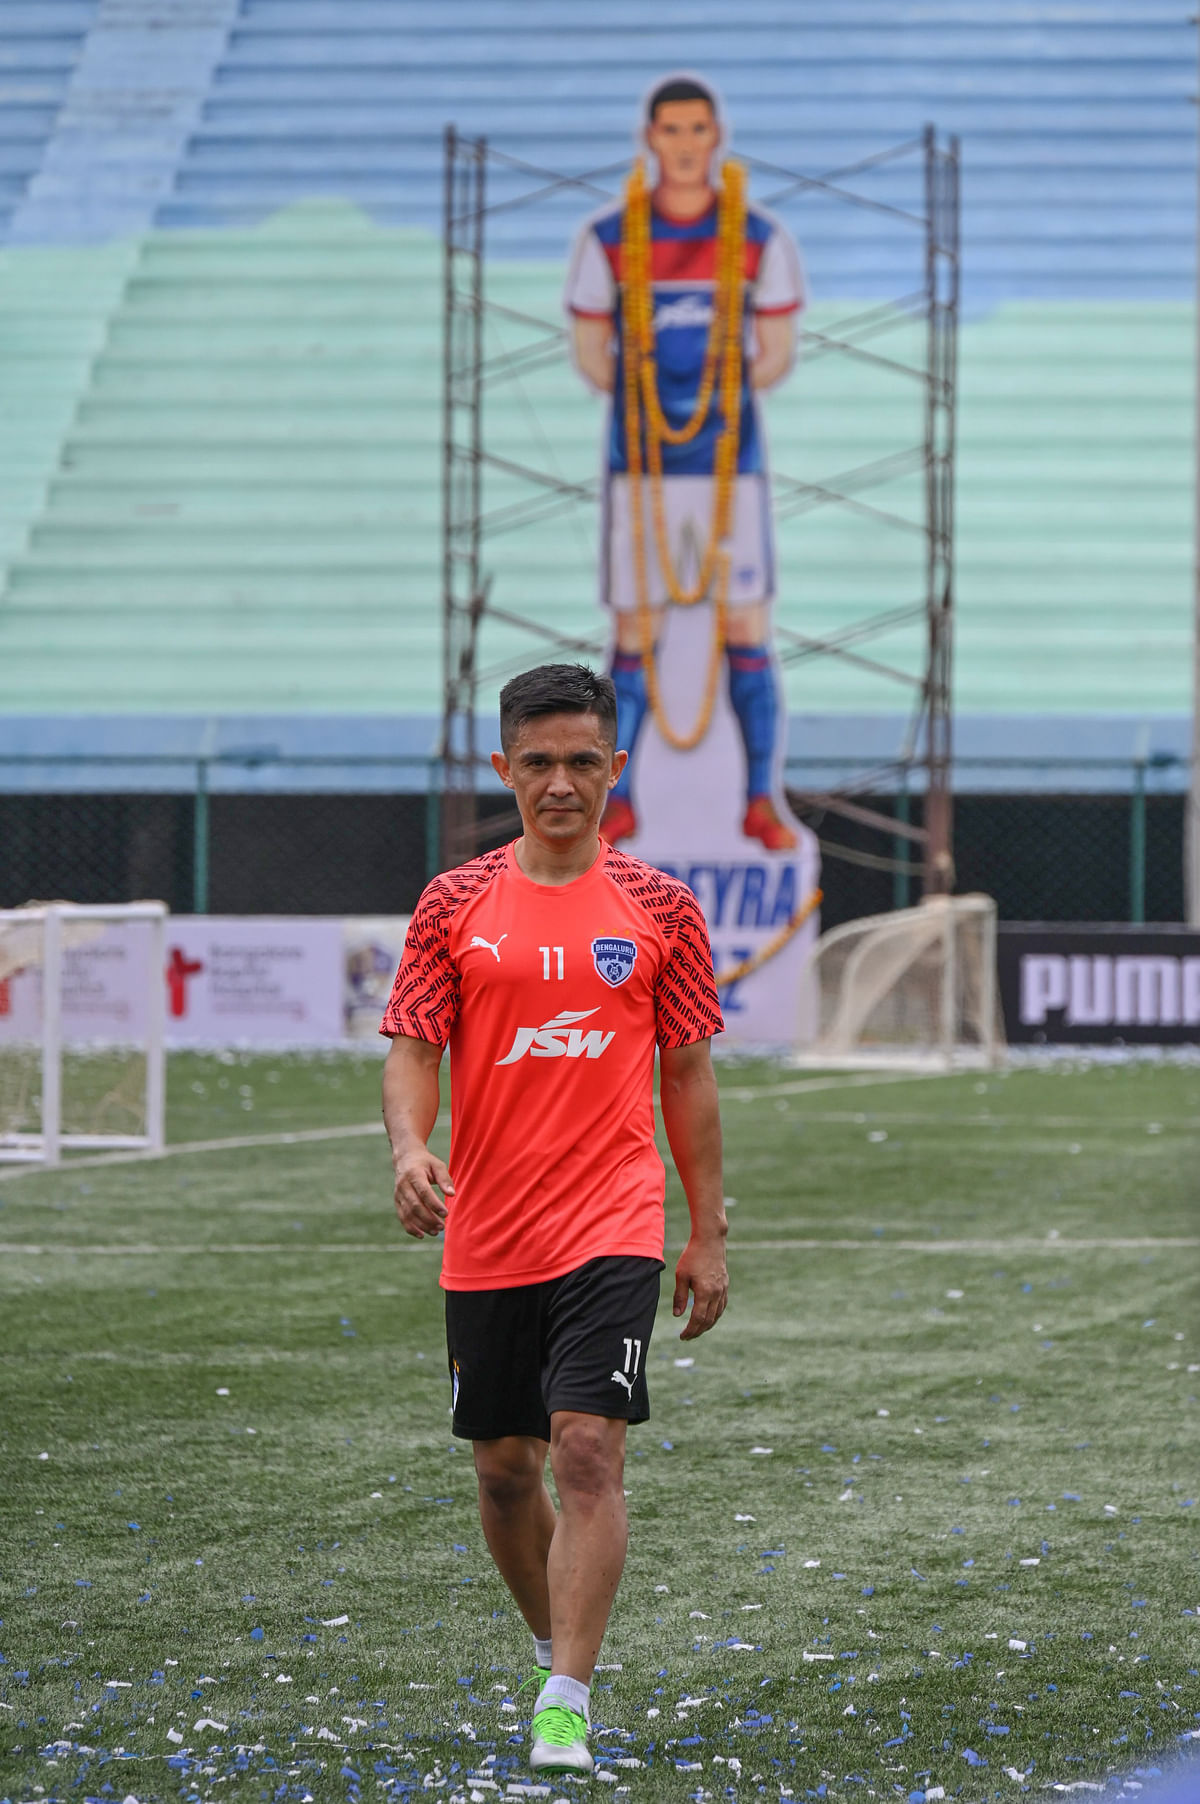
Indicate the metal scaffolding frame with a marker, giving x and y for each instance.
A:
(469, 372)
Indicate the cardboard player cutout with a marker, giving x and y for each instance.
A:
(684, 298)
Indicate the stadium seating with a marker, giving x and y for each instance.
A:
(221, 453)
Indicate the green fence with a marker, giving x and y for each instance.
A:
(249, 833)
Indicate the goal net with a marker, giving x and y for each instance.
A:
(915, 989)
(82, 1022)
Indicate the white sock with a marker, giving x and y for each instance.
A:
(541, 1652)
(571, 1692)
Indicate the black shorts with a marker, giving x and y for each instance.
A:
(576, 1342)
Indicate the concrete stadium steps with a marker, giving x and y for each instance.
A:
(239, 474)
(54, 304)
(50, 319)
(40, 46)
(252, 470)
(350, 99)
(220, 438)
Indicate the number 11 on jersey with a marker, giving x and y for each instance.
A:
(558, 954)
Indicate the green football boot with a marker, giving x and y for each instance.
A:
(560, 1741)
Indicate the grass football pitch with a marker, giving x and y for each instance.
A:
(918, 1514)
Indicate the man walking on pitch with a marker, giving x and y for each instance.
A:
(553, 967)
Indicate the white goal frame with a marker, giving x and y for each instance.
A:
(832, 1050)
(55, 919)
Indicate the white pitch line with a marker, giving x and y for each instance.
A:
(235, 1143)
(363, 1129)
(881, 1243)
(803, 1086)
(372, 1249)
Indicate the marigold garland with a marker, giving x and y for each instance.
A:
(776, 943)
(723, 352)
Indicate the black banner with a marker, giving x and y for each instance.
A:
(1100, 986)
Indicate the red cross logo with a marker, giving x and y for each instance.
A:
(179, 969)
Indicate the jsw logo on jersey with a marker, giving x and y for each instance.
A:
(688, 310)
(559, 1038)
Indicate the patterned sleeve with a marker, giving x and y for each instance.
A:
(685, 997)
(424, 999)
(590, 290)
(781, 287)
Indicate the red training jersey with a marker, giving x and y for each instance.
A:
(552, 999)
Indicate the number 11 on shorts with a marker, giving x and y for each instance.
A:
(633, 1357)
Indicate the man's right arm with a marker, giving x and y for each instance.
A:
(595, 357)
(411, 1095)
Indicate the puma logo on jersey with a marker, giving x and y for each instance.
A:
(620, 1378)
(477, 939)
(558, 1038)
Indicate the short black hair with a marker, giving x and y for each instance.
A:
(682, 87)
(557, 689)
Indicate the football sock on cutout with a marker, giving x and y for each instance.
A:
(629, 681)
(754, 701)
(541, 1653)
(571, 1692)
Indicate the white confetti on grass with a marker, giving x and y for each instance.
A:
(762, 1449)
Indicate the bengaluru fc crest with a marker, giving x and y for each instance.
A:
(614, 959)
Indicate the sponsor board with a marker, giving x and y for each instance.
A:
(371, 946)
(229, 982)
(1100, 986)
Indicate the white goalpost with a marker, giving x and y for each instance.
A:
(82, 1029)
(911, 990)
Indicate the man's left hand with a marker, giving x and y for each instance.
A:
(702, 1271)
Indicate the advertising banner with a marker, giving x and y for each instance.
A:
(104, 996)
(1100, 986)
(229, 982)
(233, 982)
(683, 300)
(371, 948)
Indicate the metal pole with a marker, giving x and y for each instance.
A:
(901, 847)
(988, 1037)
(156, 1036)
(449, 353)
(433, 819)
(1191, 833)
(462, 494)
(200, 840)
(1137, 835)
(941, 279)
(52, 1052)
